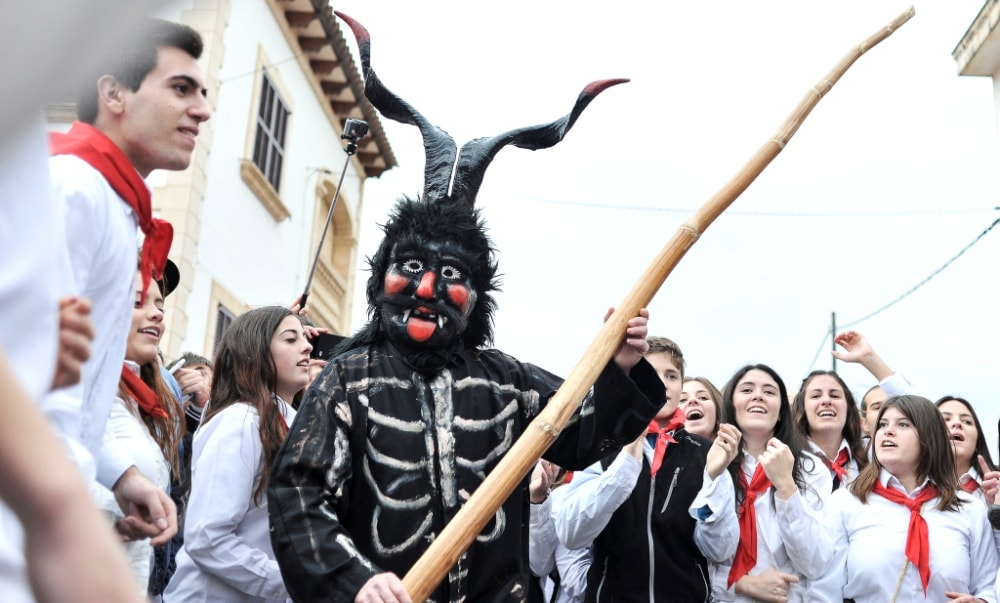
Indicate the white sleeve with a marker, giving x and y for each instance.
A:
(79, 199)
(224, 473)
(800, 521)
(117, 428)
(542, 539)
(113, 459)
(582, 509)
(897, 385)
(717, 531)
(982, 553)
(573, 565)
(829, 587)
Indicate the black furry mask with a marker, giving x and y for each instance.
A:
(445, 215)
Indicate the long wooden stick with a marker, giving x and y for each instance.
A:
(459, 534)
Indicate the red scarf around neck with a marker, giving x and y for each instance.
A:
(144, 396)
(970, 485)
(664, 436)
(918, 546)
(91, 145)
(839, 465)
(746, 552)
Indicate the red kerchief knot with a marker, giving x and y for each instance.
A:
(970, 485)
(91, 145)
(918, 546)
(839, 465)
(664, 435)
(144, 396)
(746, 552)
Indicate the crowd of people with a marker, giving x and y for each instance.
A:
(264, 474)
(800, 498)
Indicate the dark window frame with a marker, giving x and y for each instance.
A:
(223, 318)
(269, 140)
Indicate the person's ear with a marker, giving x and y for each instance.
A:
(111, 94)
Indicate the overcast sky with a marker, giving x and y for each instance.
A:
(892, 175)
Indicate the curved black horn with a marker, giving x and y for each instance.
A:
(439, 146)
(476, 155)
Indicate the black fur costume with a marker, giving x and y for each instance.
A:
(394, 435)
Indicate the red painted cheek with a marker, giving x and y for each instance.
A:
(459, 296)
(395, 284)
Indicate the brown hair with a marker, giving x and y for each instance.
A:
(714, 394)
(165, 431)
(852, 423)
(662, 345)
(936, 461)
(245, 373)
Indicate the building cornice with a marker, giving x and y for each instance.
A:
(978, 53)
(336, 79)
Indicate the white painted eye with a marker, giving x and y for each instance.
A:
(451, 273)
(412, 265)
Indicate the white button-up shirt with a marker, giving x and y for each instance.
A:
(227, 555)
(870, 540)
(790, 533)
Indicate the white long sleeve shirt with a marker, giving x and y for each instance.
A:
(30, 249)
(65, 232)
(582, 508)
(790, 533)
(101, 243)
(227, 555)
(870, 540)
(546, 553)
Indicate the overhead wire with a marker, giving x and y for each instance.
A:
(910, 291)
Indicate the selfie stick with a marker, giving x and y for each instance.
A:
(354, 130)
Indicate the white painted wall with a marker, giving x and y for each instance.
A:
(240, 245)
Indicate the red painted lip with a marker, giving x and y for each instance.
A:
(420, 329)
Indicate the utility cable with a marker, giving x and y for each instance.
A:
(904, 295)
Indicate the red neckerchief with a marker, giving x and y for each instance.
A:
(144, 396)
(746, 552)
(663, 437)
(918, 546)
(970, 485)
(91, 145)
(838, 465)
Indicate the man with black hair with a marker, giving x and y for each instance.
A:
(139, 111)
(71, 553)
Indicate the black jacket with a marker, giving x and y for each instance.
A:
(652, 532)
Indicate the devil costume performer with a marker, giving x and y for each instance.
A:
(405, 423)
